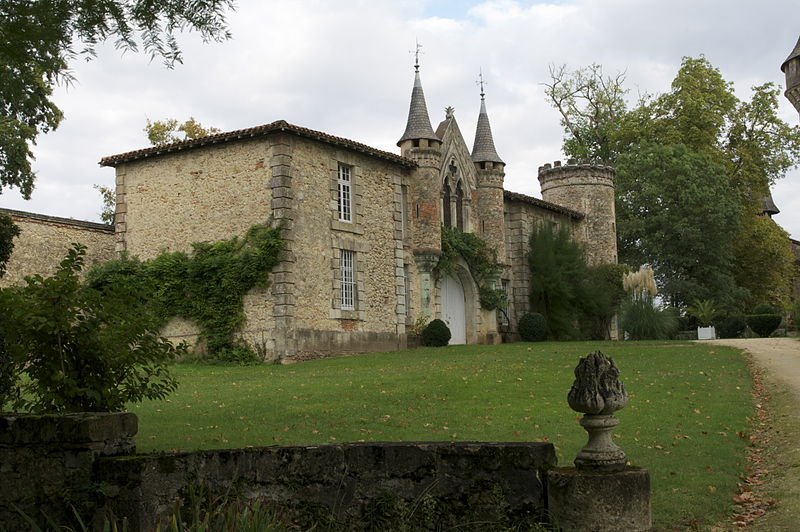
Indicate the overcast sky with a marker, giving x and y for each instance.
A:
(345, 68)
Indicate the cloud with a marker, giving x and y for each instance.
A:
(345, 68)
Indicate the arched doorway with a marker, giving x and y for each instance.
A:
(454, 309)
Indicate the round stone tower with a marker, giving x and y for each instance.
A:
(588, 189)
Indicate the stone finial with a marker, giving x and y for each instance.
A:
(597, 389)
(597, 392)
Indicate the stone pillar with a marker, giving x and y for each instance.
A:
(601, 493)
(426, 259)
(491, 204)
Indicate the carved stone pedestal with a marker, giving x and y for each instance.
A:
(599, 502)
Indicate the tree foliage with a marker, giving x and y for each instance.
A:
(107, 214)
(692, 166)
(764, 262)
(167, 131)
(8, 230)
(675, 213)
(558, 269)
(69, 348)
(481, 261)
(206, 286)
(38, 39)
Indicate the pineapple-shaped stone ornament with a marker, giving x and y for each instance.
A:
(597, 393)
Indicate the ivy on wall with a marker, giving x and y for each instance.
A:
(481, 261)
(206, 286)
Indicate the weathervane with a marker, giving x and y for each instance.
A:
(480, 82)
(416, 55)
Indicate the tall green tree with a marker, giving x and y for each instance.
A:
(675, 212)
(38, 39)
(744, 143)
(8, 230)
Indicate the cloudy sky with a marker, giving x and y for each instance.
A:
(344, 67)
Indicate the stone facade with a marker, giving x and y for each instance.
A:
(362, 226)
(44, 240)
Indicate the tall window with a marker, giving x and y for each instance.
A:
(347, 265)
(446, 214)
(345, 195)
(459, 207)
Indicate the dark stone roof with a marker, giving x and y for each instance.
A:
(768, 205)
(516, 196)
(279, 125)
(419, 123)
(483, 150)
(795, 53)
(55, 220)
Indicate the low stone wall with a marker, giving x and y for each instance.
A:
(48, 463)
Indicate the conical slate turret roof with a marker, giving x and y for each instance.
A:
(419, 124)
(483, 150)
(795, 53)
(768, 205)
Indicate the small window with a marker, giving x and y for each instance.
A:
(345, 193)
(348, 286)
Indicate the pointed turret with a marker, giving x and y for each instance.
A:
(768, 206)
(483, 151)
(791, 67)
(419, 124)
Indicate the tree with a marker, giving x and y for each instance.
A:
(675, 212)
(109, 204)
(591, 105)
(699, 119)
(167, 131)
(8, 230)
(558, 270)
(38, 38)
(764, 262)
(68, 348)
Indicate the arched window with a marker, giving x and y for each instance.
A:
(460, 207)
(446, 213)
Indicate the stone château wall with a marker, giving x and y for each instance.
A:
(44, 240)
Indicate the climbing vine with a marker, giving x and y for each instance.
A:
(481, 261)
(206, 286)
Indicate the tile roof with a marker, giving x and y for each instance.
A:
(419, 123)
(483, 149)
(516, 196)
(279, 125)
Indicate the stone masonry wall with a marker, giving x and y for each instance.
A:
(210, 193)
(44, 240)
(432, 485)
(87, 461)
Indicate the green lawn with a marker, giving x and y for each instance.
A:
(685, 418)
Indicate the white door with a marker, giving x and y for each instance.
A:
(453, 310)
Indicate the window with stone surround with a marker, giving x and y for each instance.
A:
(345, 193)
(347, 267)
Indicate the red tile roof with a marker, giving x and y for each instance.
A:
(543, 204)
(280, 125)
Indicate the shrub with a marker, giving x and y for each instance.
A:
(532, 327)
(436, 334)
(642, 320)
(73, 348)
(731, 326)
(764, 324)
(764, 308)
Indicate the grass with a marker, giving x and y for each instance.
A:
(685, 420)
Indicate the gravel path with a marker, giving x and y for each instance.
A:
(779, 356)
